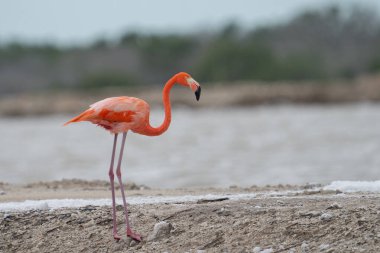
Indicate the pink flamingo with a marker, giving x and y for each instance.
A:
(120, 114)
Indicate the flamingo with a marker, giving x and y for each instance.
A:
(121, 114)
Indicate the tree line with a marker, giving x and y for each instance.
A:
(323, 44)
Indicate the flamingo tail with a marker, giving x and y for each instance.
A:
(86, 115)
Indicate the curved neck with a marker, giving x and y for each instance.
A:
(152, 131)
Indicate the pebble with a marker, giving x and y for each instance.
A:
(160, 230)
(305, 247)
(259, 250)
(2, 192)
(204, 224)
(256, 249)
(326, 217)
(310, 214)
(334, 206)
(237, 223)
(42, 206)
(90, 223)
(324, 246)
(133, 243)
(223, 211)
(361, 221)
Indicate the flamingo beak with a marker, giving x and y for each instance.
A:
(194, 85)
(198, 93)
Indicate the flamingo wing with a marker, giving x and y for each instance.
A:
(115, 112)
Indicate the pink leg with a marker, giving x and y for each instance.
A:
(111, 175)
(130, 233)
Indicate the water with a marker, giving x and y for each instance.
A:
(221, 147)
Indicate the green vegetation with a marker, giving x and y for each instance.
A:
(14, 51)
(160, 52)
(315, 45)
(107, 79)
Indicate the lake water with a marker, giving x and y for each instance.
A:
(207, 147)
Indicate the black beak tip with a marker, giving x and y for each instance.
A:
(198, 93)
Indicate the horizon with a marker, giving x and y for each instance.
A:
(83, 28)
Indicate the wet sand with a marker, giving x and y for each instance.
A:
(309, 220)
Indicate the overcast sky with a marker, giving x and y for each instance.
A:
(80, 21)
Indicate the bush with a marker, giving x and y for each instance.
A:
(108, 79)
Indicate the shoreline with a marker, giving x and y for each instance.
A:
(364, 89)
(308, 218)
(95, 189)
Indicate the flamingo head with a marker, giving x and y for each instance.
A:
(186, 80)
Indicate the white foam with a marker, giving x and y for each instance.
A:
(354, 186)
(344, 186)
(135, 200)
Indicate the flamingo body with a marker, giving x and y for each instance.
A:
(117, 114)
(121, 114)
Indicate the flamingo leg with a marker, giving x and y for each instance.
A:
(111, 175)
(130, 233)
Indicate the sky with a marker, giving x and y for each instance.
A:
(82, 21)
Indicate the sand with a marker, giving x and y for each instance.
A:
(363, 89)
(310, 220)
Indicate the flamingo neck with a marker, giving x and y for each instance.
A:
(153, 131)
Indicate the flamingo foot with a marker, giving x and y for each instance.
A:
(116, 236)
(133, 235)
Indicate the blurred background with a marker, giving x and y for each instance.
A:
(290, 90)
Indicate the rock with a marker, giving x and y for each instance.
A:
(362, 221)
(259, 250)
(117, 246)
(42, 206)
(324, 246)
(305, 247)
(308, 186)
(133, 243)
(326, 217)
(2, 193)
(160, 230)
(309, 214)
(334, 206)
(119, 208)
(256, 250)
(223, 212)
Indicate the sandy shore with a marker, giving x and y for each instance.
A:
(288, 219)
(362, 89)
